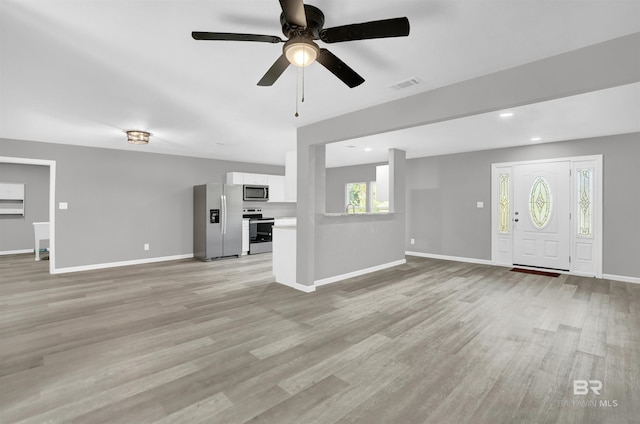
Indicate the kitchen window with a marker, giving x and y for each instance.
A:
(377, 206)
(356, 197)
(361, 198)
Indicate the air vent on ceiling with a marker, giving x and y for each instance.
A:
(407, 83)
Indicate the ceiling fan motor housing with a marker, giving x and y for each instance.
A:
(315, 22)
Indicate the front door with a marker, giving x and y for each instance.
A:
(541, 215)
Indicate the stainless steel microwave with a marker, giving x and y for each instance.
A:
(258, 193)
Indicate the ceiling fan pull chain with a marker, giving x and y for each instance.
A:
(297, 77)
(303, 61)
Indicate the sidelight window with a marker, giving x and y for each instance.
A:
(503, 206)
(585, 202)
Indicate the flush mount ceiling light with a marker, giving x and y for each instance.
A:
(301, 52)
(138, 137)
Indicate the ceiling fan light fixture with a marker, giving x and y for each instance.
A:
(138, 137)
(301, 52)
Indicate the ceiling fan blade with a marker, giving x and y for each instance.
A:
(294, 12)
(230, 36)
(339, 68)
(396, 27)
(275, 71)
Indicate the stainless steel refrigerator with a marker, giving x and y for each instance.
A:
(217, 221)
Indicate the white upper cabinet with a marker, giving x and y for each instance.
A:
(235, 178)
(279, 191)
(257, 179)
(276, 188)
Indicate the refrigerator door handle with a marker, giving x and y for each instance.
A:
(222, 214)
(224, 207)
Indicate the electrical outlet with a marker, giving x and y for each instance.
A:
(146, 246)
(413, 241)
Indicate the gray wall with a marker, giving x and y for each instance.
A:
(17, 231)
(330, 246)
(118, 200)
(442, 192)
(604, 65)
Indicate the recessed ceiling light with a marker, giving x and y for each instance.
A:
(368, 149)
(506, 114)
(536, 138)
(351, 147)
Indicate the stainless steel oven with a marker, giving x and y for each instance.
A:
(260, 231)
(256, 192)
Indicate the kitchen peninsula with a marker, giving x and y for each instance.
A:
(284, 251)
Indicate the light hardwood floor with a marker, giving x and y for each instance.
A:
(427, 342)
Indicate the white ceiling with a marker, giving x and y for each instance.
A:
(604, 112)
(83, 71)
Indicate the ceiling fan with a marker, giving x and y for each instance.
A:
(302, 24)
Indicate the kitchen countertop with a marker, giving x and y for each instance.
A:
(358, 214)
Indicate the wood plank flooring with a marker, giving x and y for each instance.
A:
(427, 342)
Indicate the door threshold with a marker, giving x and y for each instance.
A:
(534, 268)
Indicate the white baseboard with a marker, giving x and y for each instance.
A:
(16, 252)
(359, 272)
(122, 263)
(300, 287)
(451, 258)
(622, 278)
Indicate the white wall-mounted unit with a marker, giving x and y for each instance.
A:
(278, 189)
(11, 199)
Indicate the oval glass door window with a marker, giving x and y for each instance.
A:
(540, 203)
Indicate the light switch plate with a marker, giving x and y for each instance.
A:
(63, 205)
(480, 205)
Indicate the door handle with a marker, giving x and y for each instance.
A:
(222, 214)
(224, 207)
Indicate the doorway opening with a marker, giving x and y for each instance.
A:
(52, 197)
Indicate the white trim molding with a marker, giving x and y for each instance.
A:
(622, 278)
(16, 252)
(451, 258)
(359, 272)
(122, 263)
(300, 287)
